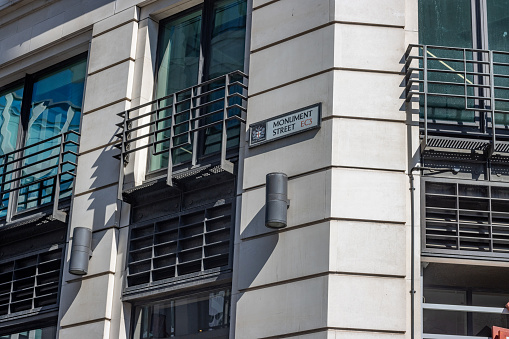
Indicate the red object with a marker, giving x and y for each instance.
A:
(499, 333)
(507, 306)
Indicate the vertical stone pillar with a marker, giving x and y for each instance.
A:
(90, 305)
(338, 270)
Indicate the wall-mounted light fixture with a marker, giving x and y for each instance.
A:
(81, 250)
(276, 200)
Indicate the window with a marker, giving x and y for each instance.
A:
(203, 315)
(459, 79)
(197, 46)
(462, 300)
(39, 122)
(49, 332)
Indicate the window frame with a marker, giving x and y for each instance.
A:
(206, 8)
(482, 124)
(27, 83)
(177, 296)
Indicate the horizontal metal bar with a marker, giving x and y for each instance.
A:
(448, 336)
(465, 308)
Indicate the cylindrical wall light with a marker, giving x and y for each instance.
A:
(80, 251)
(276, 200)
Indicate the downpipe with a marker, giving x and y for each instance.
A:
(454, 170)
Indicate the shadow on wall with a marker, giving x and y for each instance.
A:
(72, 306)
(255, 254)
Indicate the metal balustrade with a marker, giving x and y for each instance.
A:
(38, 174)
(463, 93)
(178, 126)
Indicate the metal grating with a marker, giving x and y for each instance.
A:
(182, 244)
(30, 282)
(466, 218)
(456, 143)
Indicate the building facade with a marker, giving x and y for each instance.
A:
(137, 139)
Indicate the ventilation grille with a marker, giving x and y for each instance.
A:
(30, 282)
(461, 217)
(182, 244)
(456, 143)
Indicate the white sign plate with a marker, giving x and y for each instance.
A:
(285, 125)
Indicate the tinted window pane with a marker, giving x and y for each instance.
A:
(447, 23)
(55, 109)
(498, 25)
(10, 108)
(179, 62)
(226, 55)
(203, 315)
(498, 40)
(40, 333)
(228, 37)
(179, 54)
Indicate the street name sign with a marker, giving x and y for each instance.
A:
(285, 125)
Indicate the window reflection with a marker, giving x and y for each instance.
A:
(199, 45)
(55, 108)
(203, 315)
(10, 111)
(40, 333)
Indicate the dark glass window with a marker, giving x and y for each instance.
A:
(203, 315)
(458, 91)
(198, 45)
(49, 332)
(32, 117)
(462, 300)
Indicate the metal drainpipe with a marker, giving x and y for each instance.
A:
(412, 241)
(412, 253)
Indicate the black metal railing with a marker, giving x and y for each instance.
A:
(38, 174)
(462, 92)
(186, 127)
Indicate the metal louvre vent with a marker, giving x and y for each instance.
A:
(184, 243)
(456, 143)
(30, 282)
(464, 217)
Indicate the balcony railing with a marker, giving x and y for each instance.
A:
(463, 93)
(186, 129)
(38, 174)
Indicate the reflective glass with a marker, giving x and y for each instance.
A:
(498, 40)
(447, 23)
(10, 109)
(55, 109)
(180, 48)
(179, 61)
(228, 37)
(226, 55)
(193, 316)
(40, 333)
